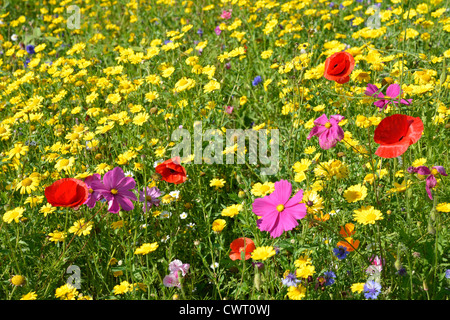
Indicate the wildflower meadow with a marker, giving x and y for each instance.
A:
(224, 150)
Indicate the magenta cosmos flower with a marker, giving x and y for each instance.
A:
(279, 213)
(430, 175)
(392, 93)
(149, 196)
(115, 189)
(328, 131)
(93, 195)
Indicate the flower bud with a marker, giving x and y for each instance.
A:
(433, 214)
(398, 264)
(257, 279)
(431, 229)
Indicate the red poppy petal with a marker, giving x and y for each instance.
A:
(235, 256)
(415, 130)
(337, 65)
(392, 129)
(392, 150)
(343, 80)
(67, 192)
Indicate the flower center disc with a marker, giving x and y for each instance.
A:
(280, 207)
(114, 191)
(328, 125)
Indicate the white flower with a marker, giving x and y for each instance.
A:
(214, 265)
(14, 37)
(129, 174)
(155, 164)
(165, 214)
(183, 215)
(175, 194)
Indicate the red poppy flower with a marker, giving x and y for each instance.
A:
(339, 66)
(67, 192)
(171, 171)
(396, 133)
(239, 245)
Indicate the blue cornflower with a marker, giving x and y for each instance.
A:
(447, 273)
(372, 289)
(200, 32)
(30, 49)
(340, 252)
(290, 280)
(329, 277)
(257, 80)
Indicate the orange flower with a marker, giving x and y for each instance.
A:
(239, 245)
(347, 230)
(349, 244)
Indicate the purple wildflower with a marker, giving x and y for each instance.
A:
(150, 197)
(431, 176)
(93, 195)
(115, 189)
(392, 92)
(328, 131)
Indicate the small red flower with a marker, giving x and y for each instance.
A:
(171, 171)
(67, 192)
(239, 245)
(339, 66)
(396, 133)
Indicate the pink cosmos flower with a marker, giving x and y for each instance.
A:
(328, 131)
(229, 109)
(392, 93)
(217, 30)
(172, 280)
(115, 188)
(176, 265)
(430, 174)
(279, 213)
(226, 14)
(149, 196)
(93, 195)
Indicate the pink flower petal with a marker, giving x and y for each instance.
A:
(322, 120)
(263, 206)
(282, 192)
(393, 90)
